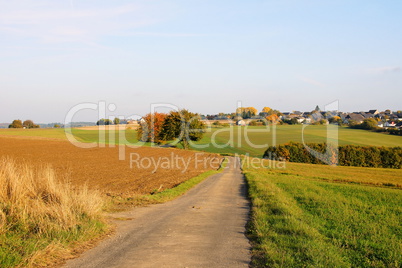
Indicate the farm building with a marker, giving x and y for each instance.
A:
(240, 123)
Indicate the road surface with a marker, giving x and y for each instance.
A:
(203, 228)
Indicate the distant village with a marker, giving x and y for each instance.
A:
(384, 119)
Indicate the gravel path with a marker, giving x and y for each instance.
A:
(203, 228)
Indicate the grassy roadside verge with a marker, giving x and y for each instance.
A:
(42, 220)
(164, 196)
(305, 223)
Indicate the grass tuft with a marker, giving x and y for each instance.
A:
(40, 217)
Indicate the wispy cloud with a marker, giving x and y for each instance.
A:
(385, 70)
(164, 34)
(310, 81)
(57, 24)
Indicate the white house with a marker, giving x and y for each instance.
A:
(389, 124)
(241, 123)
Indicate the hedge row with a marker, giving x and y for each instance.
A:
(347, 155)
(395, 131)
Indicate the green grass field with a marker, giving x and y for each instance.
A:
(302, 218)
(81, 135)
(241, 140)
(255, 140)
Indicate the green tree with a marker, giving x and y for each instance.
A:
(116, 121)
(183, 126)
(29, 124)
(16, 124)
(103, 121)
(369, 124)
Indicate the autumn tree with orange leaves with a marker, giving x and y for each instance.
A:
(266, 110)
(150, 127)
(273, 118)
(246, 112)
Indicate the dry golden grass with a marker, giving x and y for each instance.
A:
(39, 212)
(30, 194)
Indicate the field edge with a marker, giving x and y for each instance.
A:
(121, 204)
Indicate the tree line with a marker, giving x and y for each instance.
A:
(347, 155)
(115, 121)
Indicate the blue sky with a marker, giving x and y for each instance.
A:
(197, 54)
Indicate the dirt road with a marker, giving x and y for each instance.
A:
(203, 228)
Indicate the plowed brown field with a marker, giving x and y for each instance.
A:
(100, 168)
